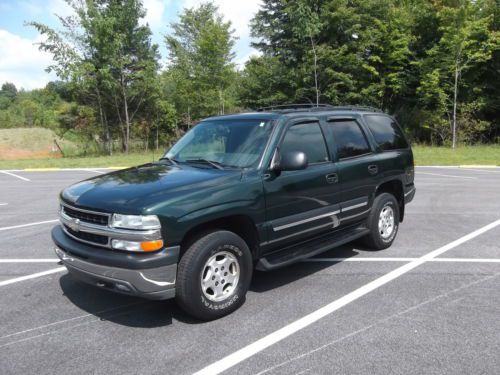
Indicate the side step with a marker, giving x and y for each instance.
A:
(306, 250)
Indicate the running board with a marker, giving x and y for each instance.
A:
(297, 253)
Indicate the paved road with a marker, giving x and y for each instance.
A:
(438, 318)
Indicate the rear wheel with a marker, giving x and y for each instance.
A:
(383, 222)
(214, 275)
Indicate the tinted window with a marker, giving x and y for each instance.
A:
(349, 139)
(386, 132)
(308, 139)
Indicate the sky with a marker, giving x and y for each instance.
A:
(24, 65)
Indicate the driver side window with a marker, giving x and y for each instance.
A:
(306, 138)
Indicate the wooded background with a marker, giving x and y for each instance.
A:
(435, 65)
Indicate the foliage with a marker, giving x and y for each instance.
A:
(398, 56)
(200, 72)
(435, 64)
(108, 57)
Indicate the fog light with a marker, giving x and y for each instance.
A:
(137, 246)
(126, 245)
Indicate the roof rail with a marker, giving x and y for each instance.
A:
(281, 107)
(313, 108)
(356, 108)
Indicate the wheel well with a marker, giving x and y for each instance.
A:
(394, 187)
(241, 225)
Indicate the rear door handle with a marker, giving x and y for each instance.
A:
(373, 169)
(332, 178)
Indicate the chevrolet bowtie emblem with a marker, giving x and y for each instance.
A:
(74, 224)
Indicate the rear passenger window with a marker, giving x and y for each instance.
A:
(308, 139)
(386, 132)
(349, 139)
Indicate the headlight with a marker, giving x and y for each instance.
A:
(135, 221)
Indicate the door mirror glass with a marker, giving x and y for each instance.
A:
(293, 161)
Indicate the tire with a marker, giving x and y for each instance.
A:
(219, 257)
(383, 229)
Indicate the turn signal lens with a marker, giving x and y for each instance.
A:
(152, 245)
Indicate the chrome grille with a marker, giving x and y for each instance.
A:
(80, 215)
(87, 237)
(86, 215)
(93, 227)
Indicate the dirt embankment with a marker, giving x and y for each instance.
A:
(28, 143)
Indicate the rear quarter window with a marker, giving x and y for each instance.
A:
(386, 132)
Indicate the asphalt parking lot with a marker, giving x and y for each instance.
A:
(428, 305)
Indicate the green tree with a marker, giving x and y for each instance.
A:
(105, 52)
(201, 69)
(466, 42)
(8, 94)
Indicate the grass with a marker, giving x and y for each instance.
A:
(117, 160)
(424, 155)
(463, 155)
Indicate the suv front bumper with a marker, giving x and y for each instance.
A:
(149, 276)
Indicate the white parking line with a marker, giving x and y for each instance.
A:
(356, 259)
(481, 170)
(446, 175)
(28, 225)
(3, 204)
(32, 276)
(15, 175)
(288, 330)
(48, 260)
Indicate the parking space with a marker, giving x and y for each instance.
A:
(440, 316)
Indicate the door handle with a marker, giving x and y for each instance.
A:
(332, 178)
(373, 169)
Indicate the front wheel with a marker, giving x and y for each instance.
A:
(214, 275)
(383, 222)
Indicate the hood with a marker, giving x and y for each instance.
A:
(133, 190)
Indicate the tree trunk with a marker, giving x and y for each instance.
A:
(127, 118)
(157, 143)
(315, 71)
(455, 93)
(104, 123)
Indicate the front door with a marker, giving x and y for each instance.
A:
(303, 203)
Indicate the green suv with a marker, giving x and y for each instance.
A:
(251, 190)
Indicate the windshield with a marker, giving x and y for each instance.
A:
(232, 143)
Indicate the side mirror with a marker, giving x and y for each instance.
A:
(293, 161)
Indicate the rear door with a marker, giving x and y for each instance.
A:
(300, 204)
(358, 167)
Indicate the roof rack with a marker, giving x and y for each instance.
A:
(298, 106)
(314, 108)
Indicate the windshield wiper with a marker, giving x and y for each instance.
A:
(173, 161)
(214, 164)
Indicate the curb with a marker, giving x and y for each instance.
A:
(471, 166)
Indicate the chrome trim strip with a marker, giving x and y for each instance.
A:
(299, 233)
(285, 226)
(353, 216)
(354, 206)
(411, 191)
(123, 234)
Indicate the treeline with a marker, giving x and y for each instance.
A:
(435, 65)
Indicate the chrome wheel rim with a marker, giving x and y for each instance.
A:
(220, 276)
(386, 222)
